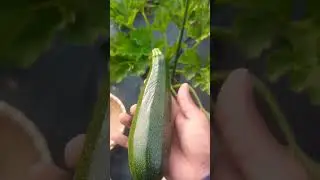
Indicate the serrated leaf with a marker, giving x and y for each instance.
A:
(198, 23)
(161, 20)
(141, 36)
(202, 80)
(122, 13)
(190, 57)
(123, 45)
(118, 69)
(279, 63)
(159, 44)
(176, 10)
(23, 45)
(304, 37)
(188, 72)
(139, 66)
(255, 32)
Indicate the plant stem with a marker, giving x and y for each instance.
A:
(179, 71)
(173, 91)
(193, 92)
(311, 166)
(180, 39)
(131, 20)
(145, 18)
(200, 39)
(219, 75)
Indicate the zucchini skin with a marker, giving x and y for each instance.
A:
(150, 132)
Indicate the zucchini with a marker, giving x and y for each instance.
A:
(150, 132)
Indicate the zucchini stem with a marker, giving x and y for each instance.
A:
(145, 18)
(311, 166)
(180, 39)
(193, 92)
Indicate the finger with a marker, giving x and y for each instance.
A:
(187, 105)
(120, 139)
(73, 150)
(133, 109)
(175, 108)
(246, 135)
(125, 119)
(47, 171)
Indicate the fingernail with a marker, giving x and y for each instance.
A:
(186, 86)
(235, 90)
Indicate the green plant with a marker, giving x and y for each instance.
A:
(29, 27)
(129, 51)
(265, 28)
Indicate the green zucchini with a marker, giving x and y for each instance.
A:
(150, 132)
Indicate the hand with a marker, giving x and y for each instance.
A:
(50, 171)
(248, 150)
(190, 150)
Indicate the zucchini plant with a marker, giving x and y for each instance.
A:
(131, 46)
(285, 34)
(150, 133)
(276, 34)
(30, 26)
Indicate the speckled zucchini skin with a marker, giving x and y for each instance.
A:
(150, 133)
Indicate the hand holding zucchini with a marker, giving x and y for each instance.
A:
(150, 134)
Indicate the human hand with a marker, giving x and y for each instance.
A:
(248, 150)
(190, 150)
(50, 171)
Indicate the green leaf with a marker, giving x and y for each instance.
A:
(202, 80)
(190, 57)
(161, 20)
(139, 66)
(22, 43)
(141, 36)
(255, 31)
(279, 63)
(122, 13)
(133, 48)
(88, 21)
(176, 10)
(118, 69)
(198, 23)
(304, 36)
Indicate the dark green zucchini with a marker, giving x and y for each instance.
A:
(150, 133)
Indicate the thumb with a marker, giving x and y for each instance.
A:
(187, 105)
(247, 137)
